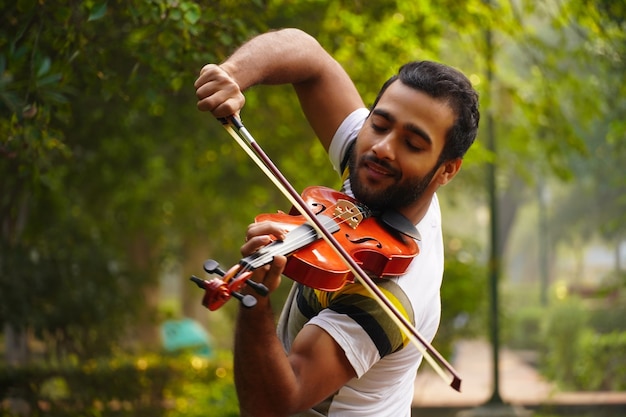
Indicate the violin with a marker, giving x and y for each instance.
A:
(382, 245)
(314, 227)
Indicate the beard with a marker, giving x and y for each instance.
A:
(398, 195)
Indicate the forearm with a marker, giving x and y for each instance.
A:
(270, 382)
(263, 376)
(287, 56)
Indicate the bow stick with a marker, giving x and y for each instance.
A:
(240, 134)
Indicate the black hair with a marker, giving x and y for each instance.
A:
(443, 82)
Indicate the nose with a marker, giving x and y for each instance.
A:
(384, 148)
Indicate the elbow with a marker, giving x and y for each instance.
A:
(306, 44)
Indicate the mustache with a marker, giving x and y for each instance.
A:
(380, 162)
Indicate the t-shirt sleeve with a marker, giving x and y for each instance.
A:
(359, 348)
(357, 322)
(343, 137)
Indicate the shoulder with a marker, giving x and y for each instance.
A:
(345, 135)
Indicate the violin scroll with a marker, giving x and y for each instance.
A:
(219, 290)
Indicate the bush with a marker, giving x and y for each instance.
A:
(561, 332)
(462, 301)
(148, 385)
(578, 357)
(602, 364)
(608, 319)
(523, 328)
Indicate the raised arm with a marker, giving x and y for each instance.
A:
(288, 56)
(268, 381)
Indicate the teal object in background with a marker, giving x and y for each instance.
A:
(186, 334)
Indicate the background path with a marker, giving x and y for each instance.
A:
(520, 383)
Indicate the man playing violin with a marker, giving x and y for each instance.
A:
(336, 353)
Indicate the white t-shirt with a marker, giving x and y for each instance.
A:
(385, 373)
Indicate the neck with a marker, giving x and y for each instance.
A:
(416, 212)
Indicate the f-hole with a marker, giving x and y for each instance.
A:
(321, 207)
(363, 240)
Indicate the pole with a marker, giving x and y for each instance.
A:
(544, 273)
(494, 254)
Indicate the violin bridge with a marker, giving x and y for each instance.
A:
(348, 212)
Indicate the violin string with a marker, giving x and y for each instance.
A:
(293, 245)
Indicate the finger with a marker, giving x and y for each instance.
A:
(270, 275)
(217, 92)
(209, 72)
(278, 265)
(266, 228)
(254, 244)
(221, 108)
(221, 100)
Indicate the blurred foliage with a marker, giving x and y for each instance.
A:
(71, 295)
(578, 357)
(580, 347)
(561, 333)
(522, 328)
(463, 306)
(148, 385)
(91, 157)
(608, 319)
(601, 365)
(108, 173)
(576, 54)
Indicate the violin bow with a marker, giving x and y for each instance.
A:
(246, 141)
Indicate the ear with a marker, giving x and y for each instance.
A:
(448, 170)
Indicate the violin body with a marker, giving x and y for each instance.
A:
(378, 249)
(372, 243)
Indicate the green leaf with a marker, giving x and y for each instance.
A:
(44, 67)
(55, 97)
(98, 12)
(175, 14)
(50, 79)
(193, 13)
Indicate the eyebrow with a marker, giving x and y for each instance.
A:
(407, 126)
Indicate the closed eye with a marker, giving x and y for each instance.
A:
(378, 128)
(413, 147)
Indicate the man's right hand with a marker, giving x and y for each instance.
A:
(218, 92)
(259, 235)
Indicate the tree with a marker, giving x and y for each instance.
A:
(108, 172)
(86, 137)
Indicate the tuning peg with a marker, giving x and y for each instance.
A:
(213, 267)
(248, 301)
(258, 288)
(198, 281)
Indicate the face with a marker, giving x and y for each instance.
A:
(395, 160)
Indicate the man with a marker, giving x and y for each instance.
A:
(336, 354)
